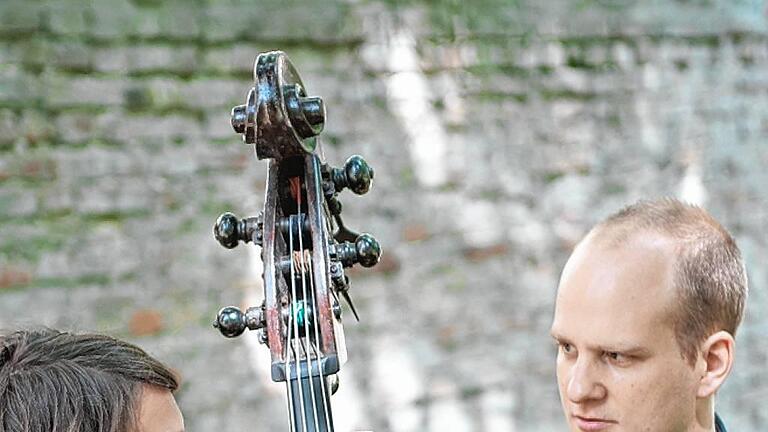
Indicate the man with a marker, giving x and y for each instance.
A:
(61, 382)
(645, 317)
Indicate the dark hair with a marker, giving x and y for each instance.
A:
(52, 381)
(710, 277)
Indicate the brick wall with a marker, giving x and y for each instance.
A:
(528, 121)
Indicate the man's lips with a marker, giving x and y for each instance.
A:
(586, 423)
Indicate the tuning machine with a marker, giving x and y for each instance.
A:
(356, 175)
(365, 251)
(232, 322)
(229, 230)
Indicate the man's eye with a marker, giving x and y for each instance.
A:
(616, 357)
(566, 347)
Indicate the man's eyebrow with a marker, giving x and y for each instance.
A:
(626, 349)
(618, 347)
(558, 337)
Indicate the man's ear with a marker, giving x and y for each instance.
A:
(717, 355)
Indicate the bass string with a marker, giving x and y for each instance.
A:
(295, 323)
(286, 366)
(303, 269)
(315, 347)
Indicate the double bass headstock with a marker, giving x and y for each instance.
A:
(305, 244)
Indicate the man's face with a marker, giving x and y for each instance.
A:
(619, 367)
(158, 411)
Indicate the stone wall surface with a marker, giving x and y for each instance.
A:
(500, 131)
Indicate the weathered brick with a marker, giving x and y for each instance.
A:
(36, 127)
(161, 58)
(11, 276)
(17, 86)
(236, 58)
(167, 94)
(113, 195)
(65, 91)
(145, 322)
(218, 126)
(71, 55)
(76, 127)
(20, 16)
(8, 127)
(58, 198)
(140, 127)
(98, 162)
(322, 22)
(17, 202)
(115, 19)
(32, 53)
(115, 126)
(415, 232)
(112, 59)
(181, 19)
(214, 93)
(69, 18)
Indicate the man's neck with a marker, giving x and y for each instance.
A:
(705, 416)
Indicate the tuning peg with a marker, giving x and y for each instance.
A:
(356, 175)
(307, 114)
(366, 251)
(238, 118)
(243, 118)
(229, 231)
(232, 322)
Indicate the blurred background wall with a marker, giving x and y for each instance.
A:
(500, 131)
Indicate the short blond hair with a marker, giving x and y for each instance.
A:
(710, 277)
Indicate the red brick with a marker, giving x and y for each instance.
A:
(415, 232)
(145, 322)
(12, 277)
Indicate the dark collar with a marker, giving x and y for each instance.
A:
(719, 425)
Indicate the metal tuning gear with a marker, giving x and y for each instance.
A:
(232, 322)
(229, 230)
(365, 251)
(357, 176)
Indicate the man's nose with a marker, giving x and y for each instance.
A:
(584, 383)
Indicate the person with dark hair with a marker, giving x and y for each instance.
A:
(645, 318)
(52, 381)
